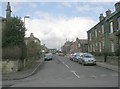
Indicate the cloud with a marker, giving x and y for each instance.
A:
(90, 8)
(54, 32)
(34, 5)
(16, 6)
(67, 4)
(103, 0)
(43, 15)
(59, 0)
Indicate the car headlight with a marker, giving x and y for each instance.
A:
(85, 60)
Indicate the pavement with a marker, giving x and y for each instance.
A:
(26, 72)
(112, 66)
(108, 66)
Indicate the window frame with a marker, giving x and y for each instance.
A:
(102, 27)
(111, 27)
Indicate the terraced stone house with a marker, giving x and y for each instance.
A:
(102, 37)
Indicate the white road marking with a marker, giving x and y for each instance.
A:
(71, 70)
(92, 76)
(75, 74)
(103, 75)
(67, 66)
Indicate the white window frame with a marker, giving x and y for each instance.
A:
(100, 47)
(96, 44)
(96, 34)
(35, 41)
(111, 27)
(26, 42)
(103, 44)
(93, 47)
(112, 46)
(102, 26)
(79, 45)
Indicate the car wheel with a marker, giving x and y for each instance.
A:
(73, 60)
(82, 63)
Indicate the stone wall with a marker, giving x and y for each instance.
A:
(110, 59)
(11, 66)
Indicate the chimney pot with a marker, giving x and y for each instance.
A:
(108, 12)
(117, 6)
(101, 17)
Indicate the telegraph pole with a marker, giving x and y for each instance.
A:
(66, 46)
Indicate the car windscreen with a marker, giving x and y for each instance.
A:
(88, 56)
(77, 54)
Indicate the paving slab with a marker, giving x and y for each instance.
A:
(108, 66)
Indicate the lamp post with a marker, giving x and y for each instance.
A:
(66, 46)
(24, 23)
(26, 17)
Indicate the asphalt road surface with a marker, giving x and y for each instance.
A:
(61, 72)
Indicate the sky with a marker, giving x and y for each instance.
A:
(54, 22)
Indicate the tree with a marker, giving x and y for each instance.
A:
(33, 48)
(13, 34)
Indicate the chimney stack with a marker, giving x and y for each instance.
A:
(101, 17)
(117, 6)
(8, 10)
(31, 35)
(108, 12)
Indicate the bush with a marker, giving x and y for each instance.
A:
(24, 51)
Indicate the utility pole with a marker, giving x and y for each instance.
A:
(66, 46)
(26, 17)
(24, 23)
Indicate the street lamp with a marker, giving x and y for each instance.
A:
(24, 23)
(26, 17)
(66, 46)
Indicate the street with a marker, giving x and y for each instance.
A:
(61, 72)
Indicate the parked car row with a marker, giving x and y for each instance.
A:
(83, 58)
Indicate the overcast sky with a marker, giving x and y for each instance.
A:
(54, 22)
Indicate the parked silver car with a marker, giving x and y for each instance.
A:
(77, 56)
(87, 58)
(48, 56)
(71, 56)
